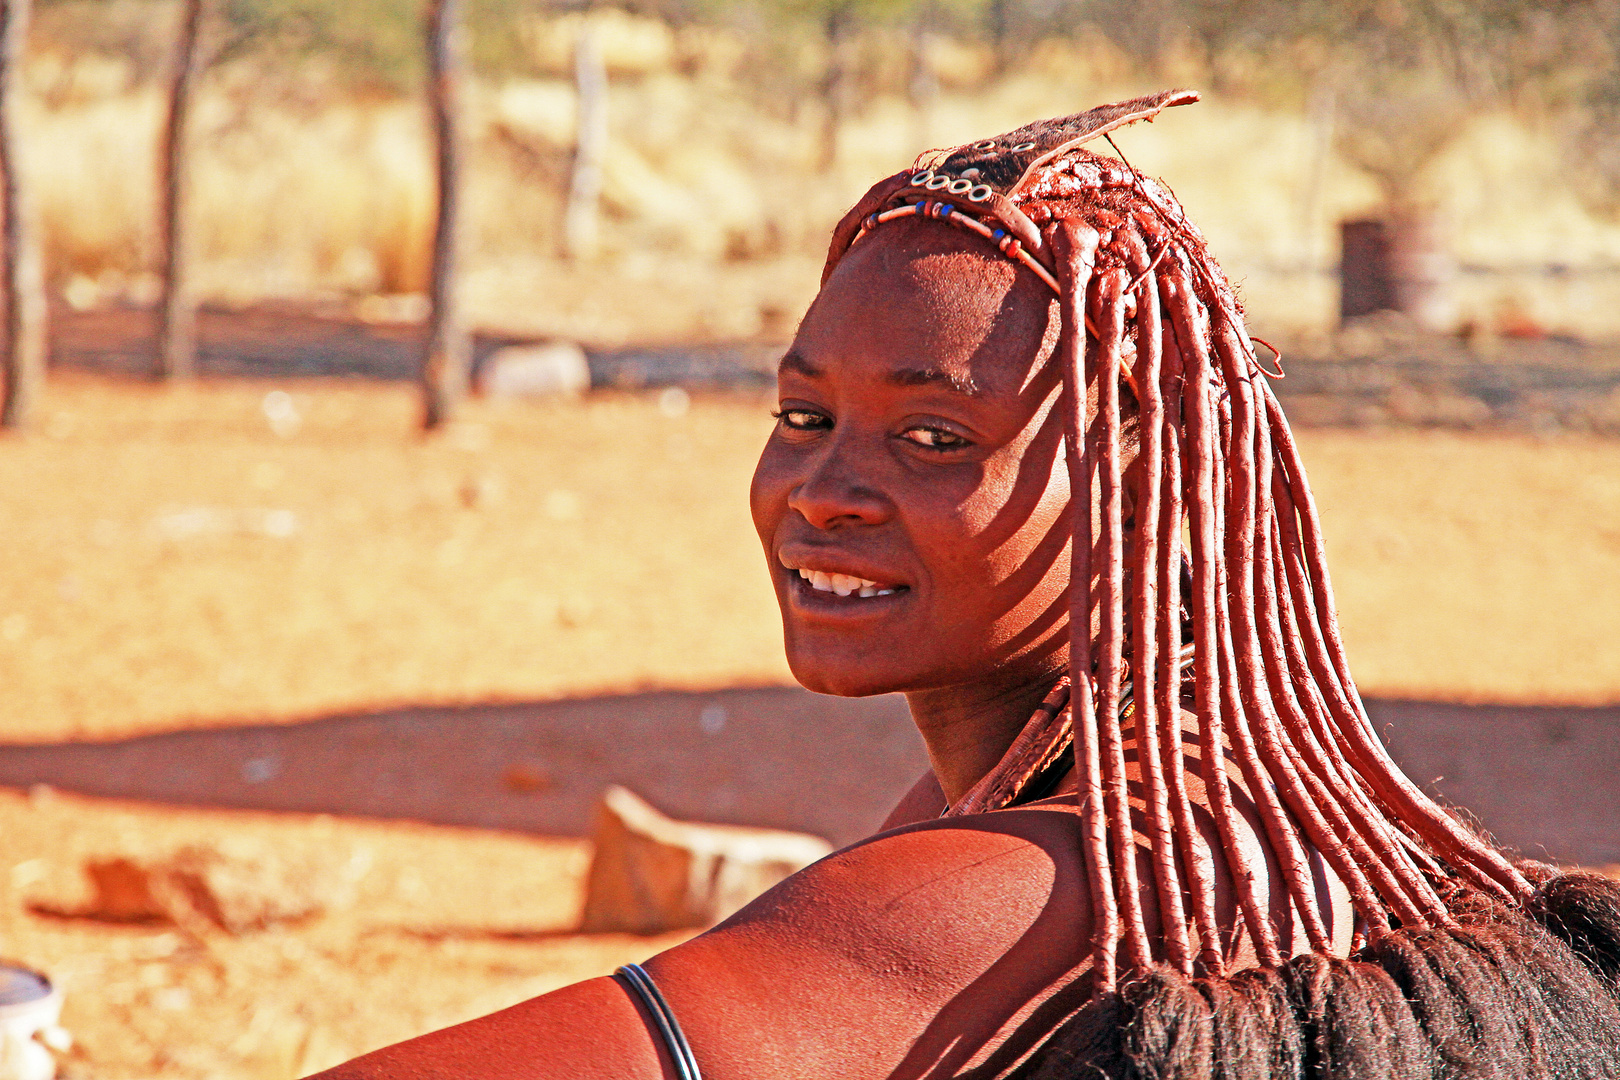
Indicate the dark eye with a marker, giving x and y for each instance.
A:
(935, 438)
(802, 419)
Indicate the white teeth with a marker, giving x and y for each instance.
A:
(842, 584)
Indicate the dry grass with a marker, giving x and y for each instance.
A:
(721, 203)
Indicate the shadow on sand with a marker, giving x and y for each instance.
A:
(776, 757)
(1544, 779)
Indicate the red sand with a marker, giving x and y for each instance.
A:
(172, 561)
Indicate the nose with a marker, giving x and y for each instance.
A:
(838, 493)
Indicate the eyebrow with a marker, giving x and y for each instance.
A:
(792, 361)
(931, 376)
(924, 376)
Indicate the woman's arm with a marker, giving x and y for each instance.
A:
(904, 954)
(591, 1030)
(908, 954)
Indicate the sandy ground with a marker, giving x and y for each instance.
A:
(418, 949)
(221, 555)
(172, 560)
(175, 561)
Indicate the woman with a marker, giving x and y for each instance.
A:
(1202, 863)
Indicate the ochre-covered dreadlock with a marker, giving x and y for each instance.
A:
(1143, 305)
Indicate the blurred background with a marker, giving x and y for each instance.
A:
(733, 134)
(308, 708)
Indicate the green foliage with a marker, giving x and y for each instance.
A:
(377, 41)
(374, 40)
(135, 30)
(1555, 52)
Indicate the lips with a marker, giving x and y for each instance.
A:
(823, 574)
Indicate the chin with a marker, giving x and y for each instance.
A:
(842, 677)
(840, 683)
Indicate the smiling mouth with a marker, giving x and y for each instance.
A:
(846, 584)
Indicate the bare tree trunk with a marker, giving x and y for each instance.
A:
(590, 144)
(177, 320)
(922, 85)
(836, 88)
(1000, 18)
(24, 345)
(447, 353)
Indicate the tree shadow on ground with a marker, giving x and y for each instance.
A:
(1543, 779)
(777, 757)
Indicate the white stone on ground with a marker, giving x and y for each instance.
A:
(556, 367)
(651, 873)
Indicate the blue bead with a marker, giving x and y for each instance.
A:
(999, 233)
(945, 209)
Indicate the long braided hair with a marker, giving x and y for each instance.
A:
(1147, 313)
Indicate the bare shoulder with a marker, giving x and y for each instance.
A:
(914, 950)
(922, 946)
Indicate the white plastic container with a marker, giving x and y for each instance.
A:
(29, 1009)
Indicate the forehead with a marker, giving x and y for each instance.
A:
(922, 295)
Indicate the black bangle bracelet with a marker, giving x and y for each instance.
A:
(663, 1018)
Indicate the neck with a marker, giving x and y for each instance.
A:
(967, 729)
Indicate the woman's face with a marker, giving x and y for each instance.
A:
(912, 499)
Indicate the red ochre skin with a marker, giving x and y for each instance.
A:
(919, 447)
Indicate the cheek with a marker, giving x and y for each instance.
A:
(1025, 515)
(767, 493)
(1030, 564)
(1025, 547)
(1001, 556)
